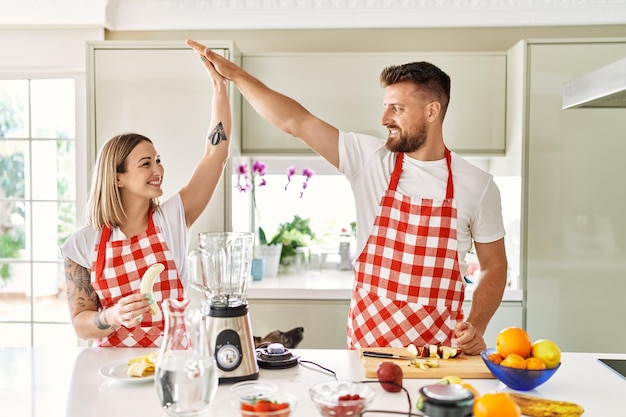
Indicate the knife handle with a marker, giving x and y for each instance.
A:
(378, 354)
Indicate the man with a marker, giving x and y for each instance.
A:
(419, 208)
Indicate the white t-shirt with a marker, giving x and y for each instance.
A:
(169, 218)
(367, 164)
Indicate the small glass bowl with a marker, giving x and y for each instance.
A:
(326, 397)
(250, 391)
(244, 396)
(517, 379)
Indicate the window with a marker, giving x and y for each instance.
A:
(328, 203)
(37, 207)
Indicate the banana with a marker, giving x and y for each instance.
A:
(540, 407)
(143, 365)
(146, 284)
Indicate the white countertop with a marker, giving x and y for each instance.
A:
(55, 382)
(326, 284)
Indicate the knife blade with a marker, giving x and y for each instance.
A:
(385, 355)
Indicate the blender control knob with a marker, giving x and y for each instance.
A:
(228, 357)
(275, 349)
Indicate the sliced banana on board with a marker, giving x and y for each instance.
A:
(146, 284)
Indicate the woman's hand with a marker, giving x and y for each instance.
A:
(219, 82)
(129, 311)
(221, 65)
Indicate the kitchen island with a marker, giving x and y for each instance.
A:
(55, 382)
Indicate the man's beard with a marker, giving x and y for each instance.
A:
(407, 143)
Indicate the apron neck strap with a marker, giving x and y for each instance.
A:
(450, 187)
(397, 171)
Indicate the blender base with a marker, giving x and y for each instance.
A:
(276, 356)
(230, 336)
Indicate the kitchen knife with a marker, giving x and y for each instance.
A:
(386, 355)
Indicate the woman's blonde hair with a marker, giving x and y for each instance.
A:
(104, 207)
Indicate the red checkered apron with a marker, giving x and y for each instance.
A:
(117, 273)
(408, 286)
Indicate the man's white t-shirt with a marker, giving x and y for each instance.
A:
(169, 218)
(367, 164)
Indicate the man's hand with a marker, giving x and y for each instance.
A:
(222, 65)
(469, 339)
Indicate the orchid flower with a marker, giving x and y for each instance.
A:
(307, 173)
(243, 176)
(243, 183)
(290, 173)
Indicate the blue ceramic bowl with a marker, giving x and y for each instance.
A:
(517, 379)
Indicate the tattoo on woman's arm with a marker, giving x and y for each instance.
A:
(80, 293)
(217, 135)
(98, 321)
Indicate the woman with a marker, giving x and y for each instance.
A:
(129, 230)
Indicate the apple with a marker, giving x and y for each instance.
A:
(389, 375)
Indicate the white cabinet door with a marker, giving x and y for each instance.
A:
(160, 91)
(509, 314)
(344, 90)
(575, 233)
(324, 321)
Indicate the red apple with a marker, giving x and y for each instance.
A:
(389, 375)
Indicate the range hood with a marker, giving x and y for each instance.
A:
(602, 88)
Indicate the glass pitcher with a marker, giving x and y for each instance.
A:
(220, 267)
(186, 375)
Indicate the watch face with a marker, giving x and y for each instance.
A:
(617, 365)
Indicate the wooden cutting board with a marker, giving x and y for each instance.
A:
(464, 366)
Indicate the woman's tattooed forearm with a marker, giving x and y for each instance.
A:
(217, 135)
(80, 293)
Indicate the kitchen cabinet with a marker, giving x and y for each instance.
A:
(161, 90)
(573, 229)
(324, 321)
(344, 90)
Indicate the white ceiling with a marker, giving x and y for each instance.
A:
(308, 14)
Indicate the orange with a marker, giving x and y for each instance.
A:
(471, 389)
(496, 404)
(514, 360)
(495, 358)
(513, 340)
(535, 363)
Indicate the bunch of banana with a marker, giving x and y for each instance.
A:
(541, 407)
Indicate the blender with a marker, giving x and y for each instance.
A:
(220, 268)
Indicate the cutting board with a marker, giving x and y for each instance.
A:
(463, 366)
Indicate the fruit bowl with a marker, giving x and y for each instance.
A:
(517, 379)
(341, 398)
(261, 399)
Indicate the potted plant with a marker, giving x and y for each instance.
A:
(289, 235)
(294, 234)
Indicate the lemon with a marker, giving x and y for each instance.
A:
(450, 380)
(547, 351)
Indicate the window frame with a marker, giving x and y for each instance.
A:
(38, 335)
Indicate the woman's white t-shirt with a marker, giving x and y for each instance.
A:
(367, 164)
(169, 218)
